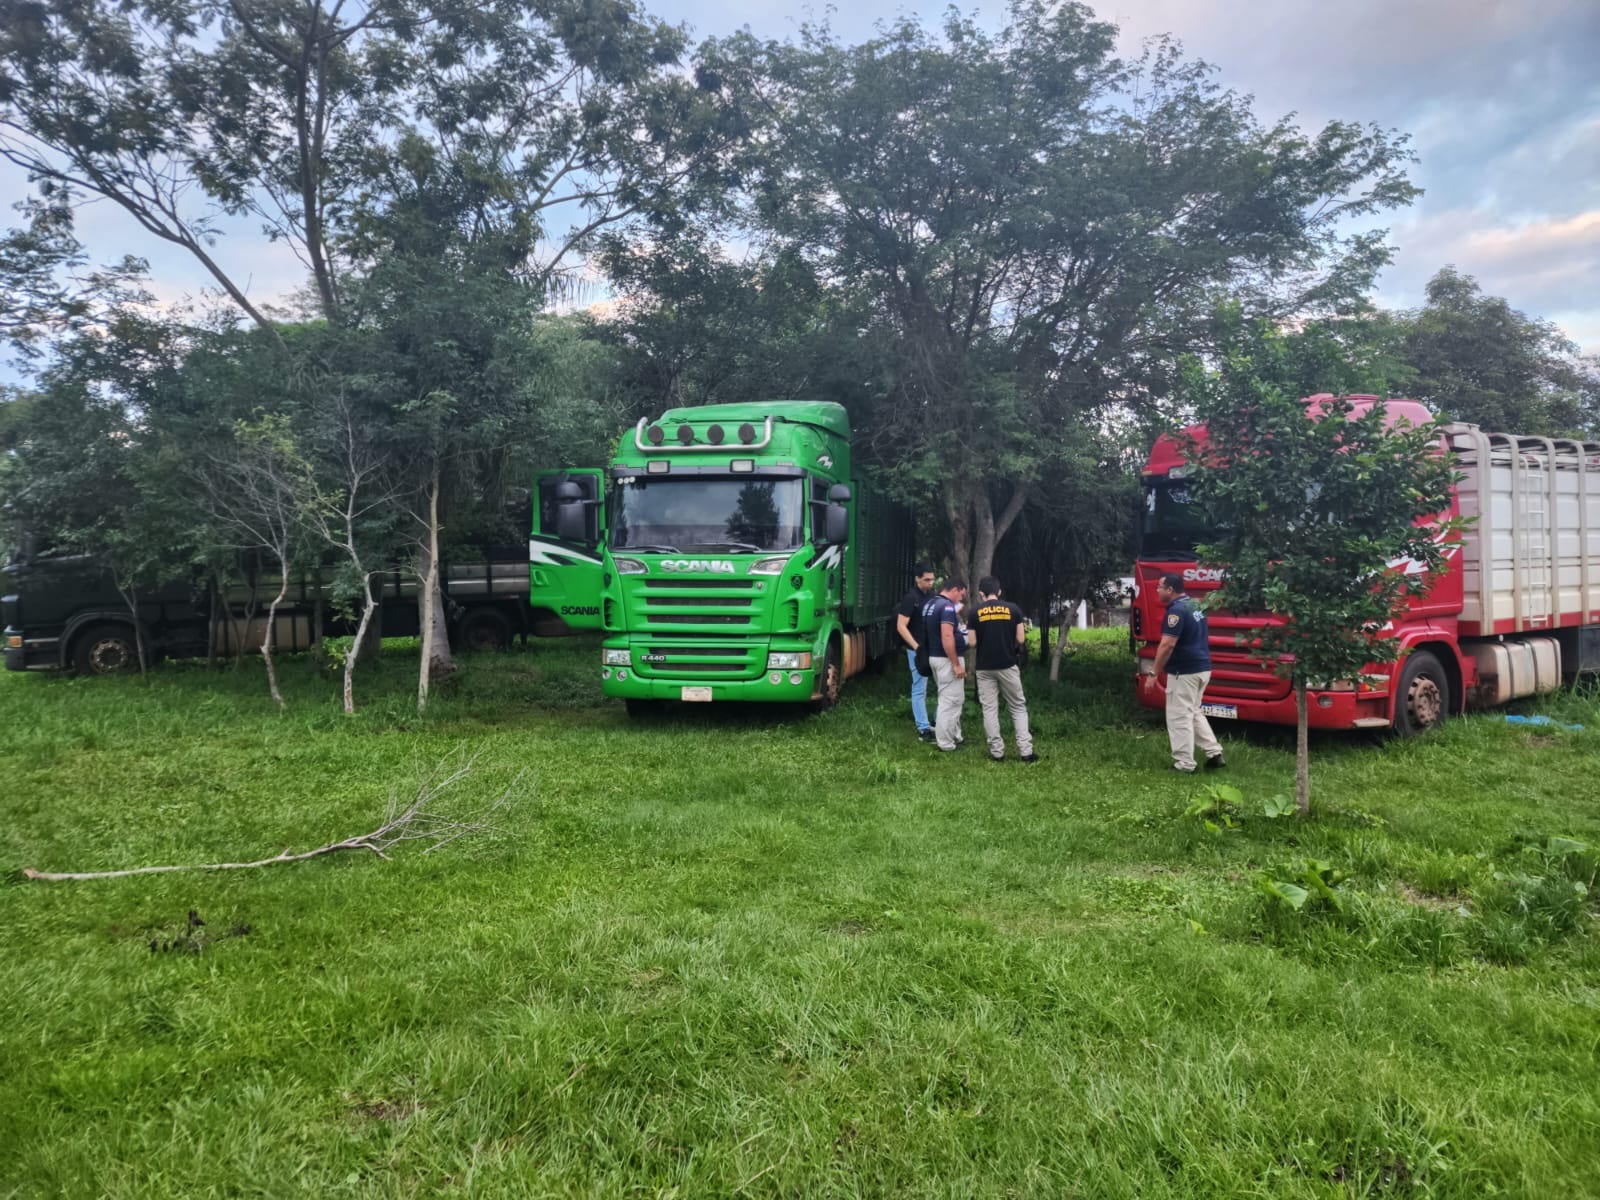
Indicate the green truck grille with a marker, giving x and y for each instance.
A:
(710, 605)
(676, 659)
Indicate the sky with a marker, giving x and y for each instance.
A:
(1501, 98)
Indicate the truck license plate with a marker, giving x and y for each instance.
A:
(1230, 711)
(701, 695)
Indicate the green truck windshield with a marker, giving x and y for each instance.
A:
(738, 513)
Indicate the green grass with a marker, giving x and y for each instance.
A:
(747, 952)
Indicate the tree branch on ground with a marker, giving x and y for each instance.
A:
(414, 821)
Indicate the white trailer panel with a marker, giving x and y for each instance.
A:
(1531, 559)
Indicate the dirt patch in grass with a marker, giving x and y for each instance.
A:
(382, 1108)
(1425, 900)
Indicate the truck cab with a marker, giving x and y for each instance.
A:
(726, 553)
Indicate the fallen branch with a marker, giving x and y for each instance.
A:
(415, 822)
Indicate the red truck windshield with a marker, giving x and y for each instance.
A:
(1172, 524)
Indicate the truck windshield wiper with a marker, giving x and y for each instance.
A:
(649, 549)
(736, 547)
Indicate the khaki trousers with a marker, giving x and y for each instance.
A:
(992, 685)
(1186, 724)
(947, 712)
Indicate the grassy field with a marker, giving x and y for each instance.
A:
(753, 953)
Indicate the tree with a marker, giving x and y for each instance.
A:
(354, 510)
(82, 478)
(258, 489)
(1074, 535)
(520, 129)
(45, 290)
(1475, 358)
(1037, 228)
(1320, 514)
(188, 113)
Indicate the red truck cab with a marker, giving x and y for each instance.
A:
(1430, 681)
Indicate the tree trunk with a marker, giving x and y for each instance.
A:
(1302, 751)
(958, 509)
(368, 648)
(215, 598)
(266, 640)
(251, 603)
(1067, 612)
(436, 659)
(369, 606)
(130, 597)
(319, 630)
(976, 531)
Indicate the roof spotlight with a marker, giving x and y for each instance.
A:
(685, 434)
(655, 434)
(747, 433)
(715, 434)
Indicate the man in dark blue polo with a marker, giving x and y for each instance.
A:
(1185, 655)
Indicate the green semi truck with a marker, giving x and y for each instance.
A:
(728, 552)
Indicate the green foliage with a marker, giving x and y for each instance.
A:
(1311, 508)
(1327, 519)
(1218, 806)
(1477, 359)
(1276, 807)
(320, 122)
(1017, 248)
(45, 291)
(1310, 888)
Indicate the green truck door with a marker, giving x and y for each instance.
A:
(564, 547)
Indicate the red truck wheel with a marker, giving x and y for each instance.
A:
(1422, 701)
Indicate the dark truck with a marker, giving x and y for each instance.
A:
(64, 611)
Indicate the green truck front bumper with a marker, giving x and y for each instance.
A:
(635, 687)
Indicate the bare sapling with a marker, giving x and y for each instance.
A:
(259, 489)
(418, 819)
(365, 496)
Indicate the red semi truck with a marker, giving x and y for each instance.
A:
(1516, 614)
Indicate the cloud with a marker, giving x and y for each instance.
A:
(1502, 100)
(1542, 266)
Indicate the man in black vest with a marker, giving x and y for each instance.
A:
(1185, 655)
(1001, 630)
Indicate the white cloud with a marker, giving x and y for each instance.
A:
(1543, 266)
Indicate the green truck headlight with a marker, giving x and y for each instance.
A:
(789, 661)
(768, 566)
(616, 658)
(630, 566)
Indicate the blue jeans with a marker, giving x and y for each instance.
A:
(919, 694)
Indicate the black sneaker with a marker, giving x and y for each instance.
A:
(925, 735)
(1030, 757)
(1181, 770)
(1215, 763)
(997, 758)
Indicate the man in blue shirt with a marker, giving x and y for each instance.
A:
(946, 639)
(1185, 655)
